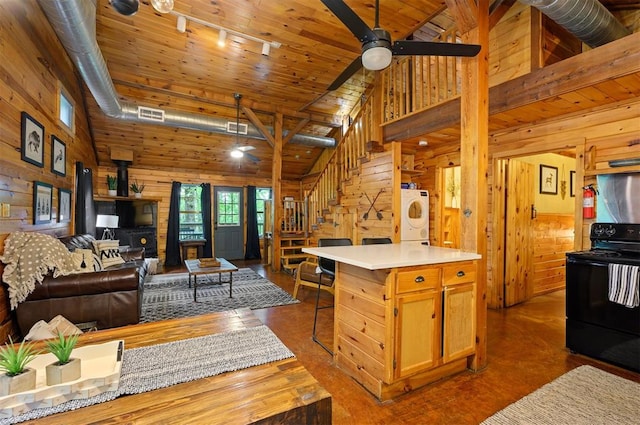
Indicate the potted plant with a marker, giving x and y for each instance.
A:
(66, 368)
(137, 189)
(112, 184)
(13, 360)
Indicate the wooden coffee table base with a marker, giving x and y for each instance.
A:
(194, 269)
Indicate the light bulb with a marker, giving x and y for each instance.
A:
(162, 6)
(237, 153)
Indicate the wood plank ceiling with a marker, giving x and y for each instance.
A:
(152, 64)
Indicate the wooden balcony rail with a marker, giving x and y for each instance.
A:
(415, 83)
(294, 218)
(342, 164)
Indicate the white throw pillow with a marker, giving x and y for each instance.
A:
(108, 251)
(83, 260)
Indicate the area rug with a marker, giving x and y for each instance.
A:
(586, 395)
(162, 365)
(168, 296)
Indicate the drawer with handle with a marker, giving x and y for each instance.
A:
(415, 280)
(458, 273)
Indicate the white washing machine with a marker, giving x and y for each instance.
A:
(414, 221)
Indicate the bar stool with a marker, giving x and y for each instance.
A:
(327, 268)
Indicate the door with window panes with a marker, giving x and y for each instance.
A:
(228, 226)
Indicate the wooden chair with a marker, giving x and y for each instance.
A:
(307, 274)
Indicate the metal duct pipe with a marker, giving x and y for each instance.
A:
(74, 23)
(588, 20)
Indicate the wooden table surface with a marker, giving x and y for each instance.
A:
(278, 392)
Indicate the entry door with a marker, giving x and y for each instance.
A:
(228, 233)
(520, 193)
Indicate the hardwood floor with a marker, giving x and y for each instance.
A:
(525, 351)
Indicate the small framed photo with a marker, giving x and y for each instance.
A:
(548, 179)
(58, 156)
(64, 206)
(42, 199)
(32, 140)
(572, 183)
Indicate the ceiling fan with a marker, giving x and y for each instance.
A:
(241, 151)
(377, 48)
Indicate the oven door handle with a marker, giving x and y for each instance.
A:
(588, 262)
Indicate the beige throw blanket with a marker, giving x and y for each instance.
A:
(29, 257)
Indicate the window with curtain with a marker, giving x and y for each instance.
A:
(262, 194)
(191, 226)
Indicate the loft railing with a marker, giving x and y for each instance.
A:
(416, 83)
(342, 164)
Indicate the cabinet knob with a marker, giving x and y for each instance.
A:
(419, 279)
(460, 273)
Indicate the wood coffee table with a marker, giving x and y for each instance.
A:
(194, 269)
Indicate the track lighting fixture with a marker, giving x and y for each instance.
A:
(162, 6)
(181, 26)
(222, 38)
(125, 7)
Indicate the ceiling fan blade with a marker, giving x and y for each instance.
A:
(245, 148)
(433, 48)
(346, 74)
(352, 21)
(252, 157)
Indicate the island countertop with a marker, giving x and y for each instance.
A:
(385, 256)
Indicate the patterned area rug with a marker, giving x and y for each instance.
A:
(168, 296)
(584, 396)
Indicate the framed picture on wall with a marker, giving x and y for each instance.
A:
(548, 179)
(64, 206)
(32, 147)
(58, 156)
(42, 199)
(572, 183)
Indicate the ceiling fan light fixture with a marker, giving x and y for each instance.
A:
(236, 153)
(162, 6)
(376, 54)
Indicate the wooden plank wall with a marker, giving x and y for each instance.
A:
(553, 236)
(33, 67)
(510, 60)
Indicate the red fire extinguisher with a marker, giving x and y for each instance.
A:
(589, 201)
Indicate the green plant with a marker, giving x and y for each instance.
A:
(136, 188)
(62, 347)
(112, 182)
(13, 360)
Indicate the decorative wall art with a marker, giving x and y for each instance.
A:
(572, 183)
(64, 206)
(548, 179)
(58, 156)
(32, 140)
(42, 199)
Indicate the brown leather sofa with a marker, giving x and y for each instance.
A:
(102, 299)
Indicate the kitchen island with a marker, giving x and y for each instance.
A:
(405, 313)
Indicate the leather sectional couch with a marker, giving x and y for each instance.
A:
(102, 299)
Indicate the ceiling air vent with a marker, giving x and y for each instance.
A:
(150, 114)
(240, 128)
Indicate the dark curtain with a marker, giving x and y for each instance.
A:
(253, 239)
(173, 228)
(85, 209)
(207, 251)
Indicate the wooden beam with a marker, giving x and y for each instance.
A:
(474, 154)
(276, 188)
(464, 13)
(263, 129)
(295, 131)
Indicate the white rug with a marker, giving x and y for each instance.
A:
(583, 396)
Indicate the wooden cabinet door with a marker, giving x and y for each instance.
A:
(417, 342)
(459, 321)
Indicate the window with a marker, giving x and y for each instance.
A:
(228, 208)
(191, 226)
(262, 194)
(65, 108)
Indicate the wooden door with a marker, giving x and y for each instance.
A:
(520, 194)
(228, 233)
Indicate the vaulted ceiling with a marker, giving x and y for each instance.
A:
(152, 64)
